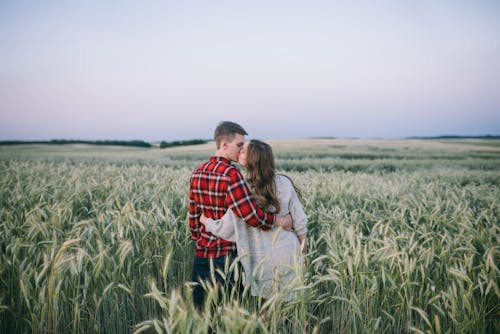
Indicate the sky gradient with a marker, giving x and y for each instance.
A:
(170, 70)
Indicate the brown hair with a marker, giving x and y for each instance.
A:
(261, 172)
(227, 130)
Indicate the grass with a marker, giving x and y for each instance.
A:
(403, 238)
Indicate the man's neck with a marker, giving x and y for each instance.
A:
(221, 153)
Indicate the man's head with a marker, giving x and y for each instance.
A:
(227, 131)
(229, 139)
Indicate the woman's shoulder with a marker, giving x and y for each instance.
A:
(283, 181)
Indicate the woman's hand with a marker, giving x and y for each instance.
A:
(203, 219)
(303, 243)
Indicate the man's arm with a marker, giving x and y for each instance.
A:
(244, 206)
(194, 216)
(241, 201)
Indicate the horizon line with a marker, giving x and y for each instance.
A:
(55, 140)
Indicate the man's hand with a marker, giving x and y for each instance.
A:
(285, 222)
(203, 219)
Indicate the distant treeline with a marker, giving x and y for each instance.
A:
(136, 143)
(165, 144)
(458, 137)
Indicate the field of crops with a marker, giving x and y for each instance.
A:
(404, 237)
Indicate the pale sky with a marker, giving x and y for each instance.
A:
(171, 70)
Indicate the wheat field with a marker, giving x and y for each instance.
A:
(403, 238)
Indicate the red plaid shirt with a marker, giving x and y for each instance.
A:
(215, 187)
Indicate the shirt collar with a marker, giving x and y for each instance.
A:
(219, 158)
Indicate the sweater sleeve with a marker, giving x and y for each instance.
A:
(224, 227)
(297, 212)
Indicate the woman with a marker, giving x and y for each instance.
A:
(270, 258)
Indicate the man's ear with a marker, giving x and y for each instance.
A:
(223, 144)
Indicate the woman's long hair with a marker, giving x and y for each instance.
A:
(261, 172)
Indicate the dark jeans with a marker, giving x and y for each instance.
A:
(201, 272)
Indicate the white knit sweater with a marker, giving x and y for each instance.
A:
(269, 258)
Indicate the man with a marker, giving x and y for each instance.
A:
(215, 187)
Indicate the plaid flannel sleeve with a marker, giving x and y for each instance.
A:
(244, 206)
(194, 216)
